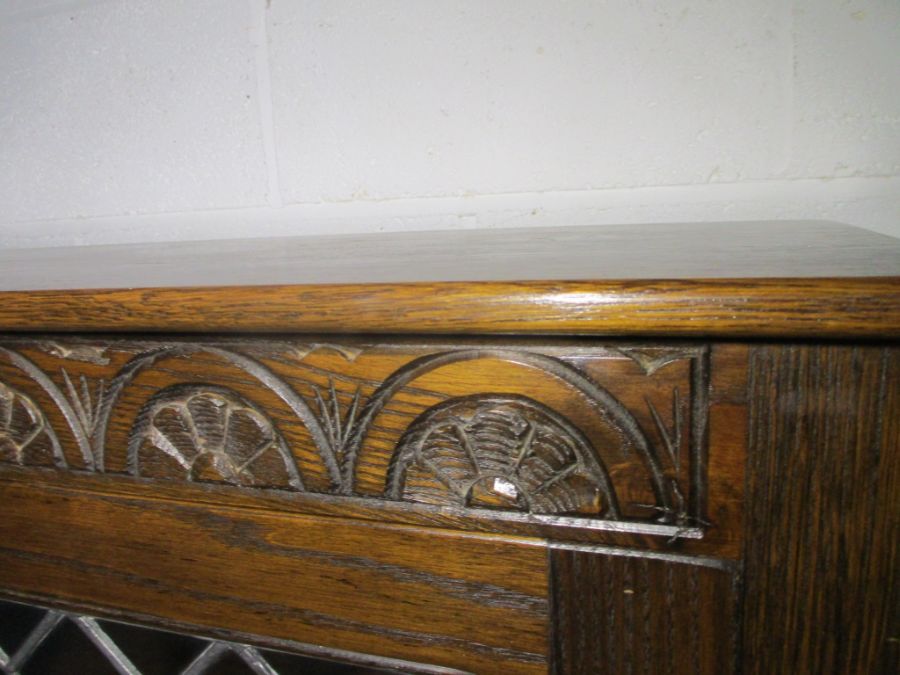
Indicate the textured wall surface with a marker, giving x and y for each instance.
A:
(142, 120)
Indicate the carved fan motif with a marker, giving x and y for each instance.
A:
(25, 436)
(500, 452)
(210, 434)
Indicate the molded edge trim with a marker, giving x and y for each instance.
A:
(860, 307)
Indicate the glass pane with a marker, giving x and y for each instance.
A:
(16, 622)
(67, 650)
(154, 652)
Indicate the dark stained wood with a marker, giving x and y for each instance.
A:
(615, 613)
(738, 280)
(473, 603)
(823, 525)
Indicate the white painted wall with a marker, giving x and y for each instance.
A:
(149, 120)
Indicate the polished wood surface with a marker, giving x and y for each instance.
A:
(678, 457)
(474, 603)
(832, 308)
(740, 280)
(614, 442)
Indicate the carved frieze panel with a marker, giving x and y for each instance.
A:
(25, 435)
(599, 436)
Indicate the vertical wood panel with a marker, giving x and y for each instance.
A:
(624, 614)
(823, 503)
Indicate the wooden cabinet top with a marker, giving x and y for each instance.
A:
(761, 279)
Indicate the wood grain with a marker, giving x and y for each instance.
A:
(506, 451)
(474, 603)
(729, 280)
(735, 308)
(615, 613)
(540, 437)
(823, 496)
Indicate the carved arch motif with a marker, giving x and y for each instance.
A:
(25, 435)
(56, 394)
(605, 404)
(563, 473)
(210, 433)
(252, 367)
(500, 451)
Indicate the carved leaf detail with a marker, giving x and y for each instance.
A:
(85, 404)
(208, 433)
(337, 425)
(500, 452)
(25, 436)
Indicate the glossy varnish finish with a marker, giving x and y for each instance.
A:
(739, 279)
(474, 603)
(719, 308)
(606, 443)
(623, 482)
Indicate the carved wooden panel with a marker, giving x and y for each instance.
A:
(562, 434)
(210, 433)
(498, 451)
(25, 435)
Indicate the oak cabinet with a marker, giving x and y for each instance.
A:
(581, 450)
